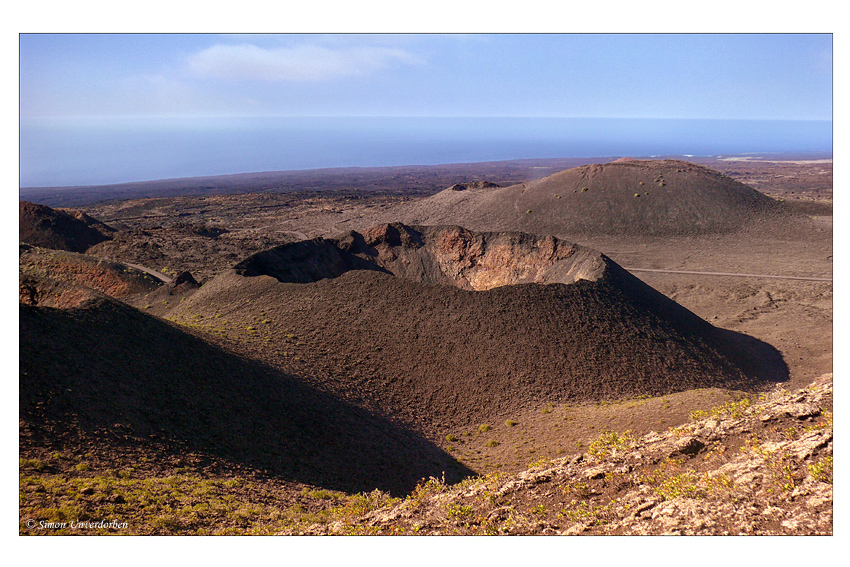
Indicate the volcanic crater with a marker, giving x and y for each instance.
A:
(443, 326)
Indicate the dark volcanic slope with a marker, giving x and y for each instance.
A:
(411, 337)
(639, 197)
(50, 228)
(109, 371)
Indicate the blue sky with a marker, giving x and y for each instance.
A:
(749, 76)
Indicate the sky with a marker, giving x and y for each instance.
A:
(714, 76)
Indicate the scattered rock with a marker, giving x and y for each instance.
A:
(766, 488)
(688, 446)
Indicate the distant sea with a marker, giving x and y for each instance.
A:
(93, 151)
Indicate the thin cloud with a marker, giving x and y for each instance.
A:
(300, 63)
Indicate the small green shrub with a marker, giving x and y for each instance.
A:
(323, 494)
(822, 470)
(729, 409)
(34, 464)
(483, 428)
(609, 443)
(458, 511)
(451, 438)
(510, 423)
(670, 481)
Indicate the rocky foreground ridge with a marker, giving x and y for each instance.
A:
(749, 467)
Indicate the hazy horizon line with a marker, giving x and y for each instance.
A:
(416, 116)
(255, 172)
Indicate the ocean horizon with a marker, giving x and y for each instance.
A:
(99, 151)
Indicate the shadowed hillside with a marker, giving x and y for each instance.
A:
(108, 371)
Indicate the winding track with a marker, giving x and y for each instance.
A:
(154, 273)
(809, 279)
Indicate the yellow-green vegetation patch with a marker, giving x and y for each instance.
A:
(670, 481)
(323, 494)
(33, 464)
(175, 504)
(822, 470)
(729, 409)
(781, 465)
(581, 511)
(609, 443)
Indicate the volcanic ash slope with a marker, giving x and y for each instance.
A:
(446, 326)
(106, 375)
(625, 197)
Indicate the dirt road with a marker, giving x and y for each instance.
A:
(808, 279)
(154, 273)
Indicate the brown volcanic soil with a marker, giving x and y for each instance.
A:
(201, 249)
(108, 372)
(61, 230)
(440, 356)
(625, 197)
(62, 279)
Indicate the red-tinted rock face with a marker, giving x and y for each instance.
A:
(445, 255)
(58, 278)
